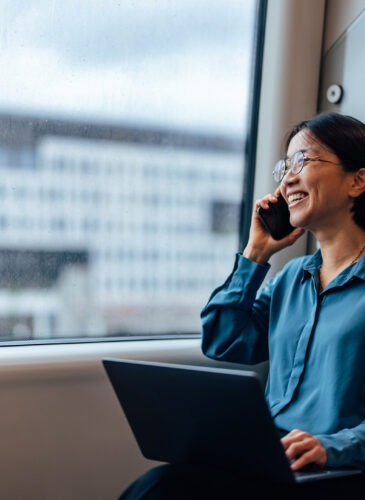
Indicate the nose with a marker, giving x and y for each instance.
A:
(289, 178)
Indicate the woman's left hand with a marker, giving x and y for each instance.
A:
(302, 448)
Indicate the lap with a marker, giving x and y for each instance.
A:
(207, 482)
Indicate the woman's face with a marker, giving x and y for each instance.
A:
(318, 197)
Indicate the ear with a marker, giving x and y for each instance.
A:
(358, 184)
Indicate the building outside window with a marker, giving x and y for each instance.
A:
(122, 135)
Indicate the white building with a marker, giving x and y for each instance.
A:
(155, 220)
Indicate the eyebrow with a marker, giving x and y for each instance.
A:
(303, 150)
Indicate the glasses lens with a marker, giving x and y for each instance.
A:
(279, 170)
(297, 162)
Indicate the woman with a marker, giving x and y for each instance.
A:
(308, 321)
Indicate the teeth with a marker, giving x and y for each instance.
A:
(295, 197)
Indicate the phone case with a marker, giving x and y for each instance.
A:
(276, 219)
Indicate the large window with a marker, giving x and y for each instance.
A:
(122, 131)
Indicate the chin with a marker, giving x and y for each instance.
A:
(299, 222)
(300, 218)
(294, 221)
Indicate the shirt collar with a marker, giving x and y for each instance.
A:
(313, 264)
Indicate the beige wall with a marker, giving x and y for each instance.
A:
(339, 15)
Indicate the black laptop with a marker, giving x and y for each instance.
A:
(183, 413)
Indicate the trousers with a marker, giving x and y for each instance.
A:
(207, 482)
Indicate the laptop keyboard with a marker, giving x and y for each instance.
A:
(313, 472)
(317, 471)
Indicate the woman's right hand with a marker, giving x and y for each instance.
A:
(261, 246)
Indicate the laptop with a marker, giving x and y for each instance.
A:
(183, 413)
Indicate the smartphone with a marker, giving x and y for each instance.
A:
(276, 218)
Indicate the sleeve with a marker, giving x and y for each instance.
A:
(346, 447)
(235, 320)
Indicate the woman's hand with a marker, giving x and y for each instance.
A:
(302, 448)
(261, 246)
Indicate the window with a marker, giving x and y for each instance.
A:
(225, 215)
(122, 132)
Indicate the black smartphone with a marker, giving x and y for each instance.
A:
(276, 218)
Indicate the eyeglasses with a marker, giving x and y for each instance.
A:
(296, 164)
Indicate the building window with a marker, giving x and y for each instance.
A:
(122, 163)
(225, 217)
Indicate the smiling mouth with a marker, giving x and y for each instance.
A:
(296, 197)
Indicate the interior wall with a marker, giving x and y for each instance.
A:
(64, 435)
(342, 77)
(339, 15)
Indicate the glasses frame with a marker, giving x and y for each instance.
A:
(296, 164)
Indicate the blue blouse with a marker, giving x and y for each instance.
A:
(315, 342)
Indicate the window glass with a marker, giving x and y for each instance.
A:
(122, 128)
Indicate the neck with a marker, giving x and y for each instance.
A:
(342, 257)
(334, 262)
(340, 246)
(359, 255)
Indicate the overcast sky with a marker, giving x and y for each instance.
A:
(176, 63)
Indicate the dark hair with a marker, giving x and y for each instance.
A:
(345, 137)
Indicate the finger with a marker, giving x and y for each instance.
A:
(277, 191)
(293, 236)
(265, 201)
(302, 448)
(294, 436)
(298, 448)
(300, 462)
(315, 455)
